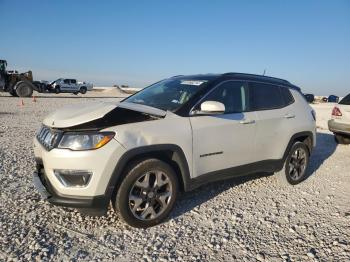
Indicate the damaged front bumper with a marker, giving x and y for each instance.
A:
(95, 206)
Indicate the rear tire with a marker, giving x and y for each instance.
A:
(295, 165)
(147, 193)
(13, 93)
(83, 90)
(24, 90)
(340, 139)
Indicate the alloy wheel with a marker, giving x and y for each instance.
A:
(297, 164)
(150, 195)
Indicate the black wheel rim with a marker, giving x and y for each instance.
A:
(150, 195)
(297, 164)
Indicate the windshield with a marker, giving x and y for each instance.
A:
(345, 100)
(169, 94)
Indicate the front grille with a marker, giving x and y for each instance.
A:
(48, 138)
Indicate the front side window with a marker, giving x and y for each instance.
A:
(233, 94)
(265, 96)
(169, 94)
(66, 81)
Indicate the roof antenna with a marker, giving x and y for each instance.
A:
(264, 72)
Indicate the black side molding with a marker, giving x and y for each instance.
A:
(295, 137)
(265, 166)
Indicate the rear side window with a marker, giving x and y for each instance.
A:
(345, 100)
(265, 96)
(233, 94)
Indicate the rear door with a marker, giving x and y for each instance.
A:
(65, 85)
(275, 119)
(74, 85)
(226, 140)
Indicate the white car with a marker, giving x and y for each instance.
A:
(174, 135)
(340, 122)
(64, 85)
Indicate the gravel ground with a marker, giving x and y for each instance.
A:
(246, 219)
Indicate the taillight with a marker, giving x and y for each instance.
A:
(336, 112)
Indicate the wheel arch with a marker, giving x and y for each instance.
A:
(169, 153)
(304, 137)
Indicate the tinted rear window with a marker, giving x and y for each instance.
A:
(266, 96)
(345, 100)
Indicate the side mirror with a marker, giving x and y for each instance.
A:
(212, 107)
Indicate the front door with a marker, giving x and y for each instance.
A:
(227, 140)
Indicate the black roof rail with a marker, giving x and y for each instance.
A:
(257, 76)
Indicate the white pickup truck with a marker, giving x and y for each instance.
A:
(65, 85)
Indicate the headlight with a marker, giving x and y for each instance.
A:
(85, 141)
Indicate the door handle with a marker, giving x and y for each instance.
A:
(289, 116)
(247, 121)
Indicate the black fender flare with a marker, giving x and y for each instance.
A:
(295, 137)
(177, 155)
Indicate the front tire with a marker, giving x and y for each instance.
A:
(13, 93)
(295, 165)
(147, 193)
(83, 90)
(24, 90)
(341, 139)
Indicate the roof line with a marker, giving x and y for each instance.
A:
(254, 75)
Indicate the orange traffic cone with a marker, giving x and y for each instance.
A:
(34, 99)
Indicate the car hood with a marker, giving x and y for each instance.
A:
(78, 114)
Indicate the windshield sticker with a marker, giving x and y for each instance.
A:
(193, 82)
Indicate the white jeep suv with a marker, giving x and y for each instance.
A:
(174, 135)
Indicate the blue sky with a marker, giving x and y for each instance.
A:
(140, 42)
